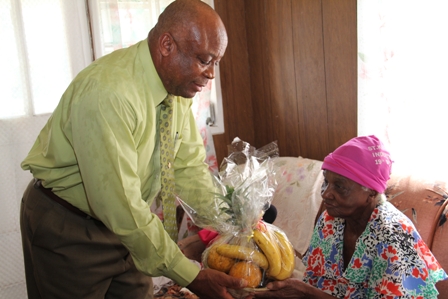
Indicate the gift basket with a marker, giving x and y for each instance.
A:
(246, 247)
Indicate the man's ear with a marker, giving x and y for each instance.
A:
(166, 44)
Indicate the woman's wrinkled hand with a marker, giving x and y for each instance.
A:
(192, 247)
(289, 288)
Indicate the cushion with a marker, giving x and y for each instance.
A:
(419, 199)
(297, 198)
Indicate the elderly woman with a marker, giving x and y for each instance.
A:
(362, 246)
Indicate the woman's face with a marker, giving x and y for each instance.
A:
(345, 198)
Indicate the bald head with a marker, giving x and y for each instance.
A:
(181, 12)
(188, 37)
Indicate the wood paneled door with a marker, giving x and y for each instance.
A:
(289, 74)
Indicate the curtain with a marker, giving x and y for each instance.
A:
(45, 43)
(402, 75)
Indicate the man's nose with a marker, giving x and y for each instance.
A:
(210, 72)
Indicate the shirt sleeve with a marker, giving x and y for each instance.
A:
(107, 153)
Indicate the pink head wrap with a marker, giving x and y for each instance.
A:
(363, 160)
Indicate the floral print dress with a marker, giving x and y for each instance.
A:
(390, 260)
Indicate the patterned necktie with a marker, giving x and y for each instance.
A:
(167, 168)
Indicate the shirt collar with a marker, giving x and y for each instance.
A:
(156, 87)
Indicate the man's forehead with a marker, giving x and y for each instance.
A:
(206, 46)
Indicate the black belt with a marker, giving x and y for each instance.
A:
(60, 201)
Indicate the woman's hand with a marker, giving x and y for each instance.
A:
(192, 247)
(290, 288)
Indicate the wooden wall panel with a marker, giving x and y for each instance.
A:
(340, 47)
(280, 65)
(258, 50)
(270, 40)
(310, 78)
(289, 74)
(235, 78)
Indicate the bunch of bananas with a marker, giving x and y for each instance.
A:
(273, 253)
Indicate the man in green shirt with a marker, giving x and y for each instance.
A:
(85, 218)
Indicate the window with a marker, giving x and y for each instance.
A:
(402, 78)
(47, 45)
(50, 42)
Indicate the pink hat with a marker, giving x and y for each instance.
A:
(363, 160)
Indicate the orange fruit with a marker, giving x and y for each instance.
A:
(219, 262)
(248, 271)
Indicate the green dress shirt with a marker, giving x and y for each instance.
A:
(100, 152)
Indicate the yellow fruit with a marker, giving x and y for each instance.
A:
(248, 271)
(287, 253)
(243, 253)
(270, 250)
(219, 262)
(284, 274)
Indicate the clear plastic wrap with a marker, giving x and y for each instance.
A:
(246, 246)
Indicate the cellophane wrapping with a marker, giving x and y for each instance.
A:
(244, 190)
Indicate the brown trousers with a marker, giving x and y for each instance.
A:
(71, 257)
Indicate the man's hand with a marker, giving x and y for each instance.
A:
(213, 284)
